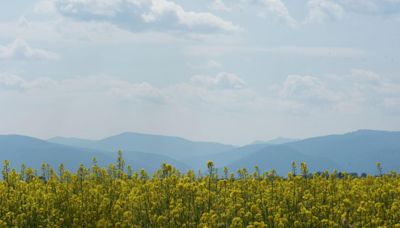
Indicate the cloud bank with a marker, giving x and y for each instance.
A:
(139, 15)
(20, 50)
(201, 102)
(361, 88)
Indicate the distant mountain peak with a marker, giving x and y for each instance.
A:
(370, 131)
(357, 151)
(135, 134)
(275, 141)
(62, 138)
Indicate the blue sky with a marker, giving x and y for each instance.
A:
(215, 70)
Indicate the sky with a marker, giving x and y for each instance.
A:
(210, 70)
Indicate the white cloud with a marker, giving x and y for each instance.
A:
(220, 81)
(64, 30)
(136, 15)
(163, 8)
(320, 10)
(381, 7)
(303, 51)
(45, 7)
(345, 52)
(357, 91)
(23, 22)
(11, 81)
(100, 105)
(219, 5)
(307, 88)
(213, 64)
(142, 90)
(15, 82)
(278, 9)
(209, 65)
(93, 7)
(20, 50)
(354, 92)
(201, 102)
(198, 86)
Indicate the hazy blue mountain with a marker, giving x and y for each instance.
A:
(352, 152)
(178, 148)
(71, 141)
(279, 158)
(356, 151)
(227, 157)
(276, 141)
(151, 162)
(33, 152)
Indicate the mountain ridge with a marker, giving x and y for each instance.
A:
(178, 148)
(19, 149)
(355, 151)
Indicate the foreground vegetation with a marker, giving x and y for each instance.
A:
(119, 197)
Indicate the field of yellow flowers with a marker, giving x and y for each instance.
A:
(118, 197)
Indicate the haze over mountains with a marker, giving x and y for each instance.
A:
(278, 140)
(33, 152)
(352, 152)
(166, 145)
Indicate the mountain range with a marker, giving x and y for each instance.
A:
(351, 152)
(33, 152)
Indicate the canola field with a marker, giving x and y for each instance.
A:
(118, 197)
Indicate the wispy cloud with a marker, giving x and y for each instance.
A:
(307, 88)
(305, 51)
(208, 65)
(20, 50)
(45, 7)
(220, 81)
(196, 87)
(219, 5)
(320, 10)
(159, 15)
(377, 7)
(198, 101)
(354, 92)
(278, 9)
(360, 88)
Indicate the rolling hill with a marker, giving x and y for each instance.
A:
(279, 158)
(276, 141)
(352, 152)
(180, 149)
(33, 152)
(230, 156)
